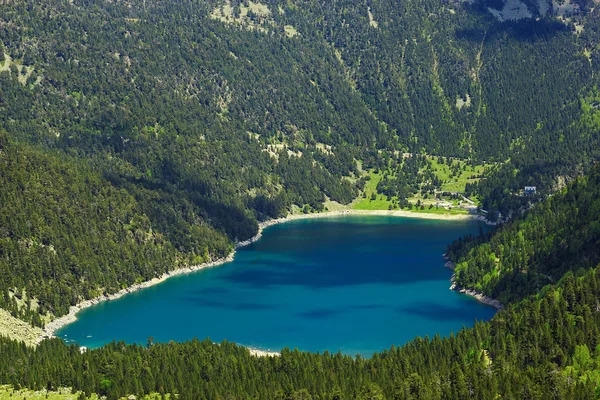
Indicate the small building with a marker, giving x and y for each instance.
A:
(530, 190)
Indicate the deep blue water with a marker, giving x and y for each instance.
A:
(358, 284)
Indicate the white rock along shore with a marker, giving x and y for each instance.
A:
(470, 292)
(479, 296)
(56, 324)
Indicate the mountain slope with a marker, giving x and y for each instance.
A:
(67, 234)
(542, 346)
(424, 76)
(194, 120)
(561, 234)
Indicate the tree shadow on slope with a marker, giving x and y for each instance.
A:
(190, 220)
(526, 29)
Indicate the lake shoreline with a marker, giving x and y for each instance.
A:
(480, 297)
(53, 326)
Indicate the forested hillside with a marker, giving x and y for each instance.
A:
(521, 257)
(198, 119)
(540, 346)
(141, 136)
(195, 93)
(66, 234)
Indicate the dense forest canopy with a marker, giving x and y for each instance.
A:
(522, 256)
(193, 93)
(541, 346)
(141, 136)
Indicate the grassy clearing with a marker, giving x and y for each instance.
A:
(466, 102)
(367, 204)
(370, 188)
(290, 31)
(381, 202)
(371, 185)
(453, 175)
(456, 182)
(426, 201)
(250, 15)
(434, 210)
(23, 72)
(228, 14)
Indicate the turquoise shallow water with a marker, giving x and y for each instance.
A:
(357, 284)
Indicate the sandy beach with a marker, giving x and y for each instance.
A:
(329, 214)
(60, 322)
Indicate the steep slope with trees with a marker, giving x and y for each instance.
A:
(561, 234)
(67, 234)
(142, 136)
(186, 99)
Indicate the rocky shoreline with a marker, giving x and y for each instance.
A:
(479, 296)
(470, 292)
(54, 325)
(262, 353)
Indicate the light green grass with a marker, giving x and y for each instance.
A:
(371, 185)
(381, 203)
(366, 204)
(370, 188)
(434, 210)
(7, 392)
(458, 182)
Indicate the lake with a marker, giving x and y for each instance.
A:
(357, 284)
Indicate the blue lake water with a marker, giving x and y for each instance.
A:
(357, 284)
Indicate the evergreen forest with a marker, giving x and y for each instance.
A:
(141, 136)
(544, 345)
